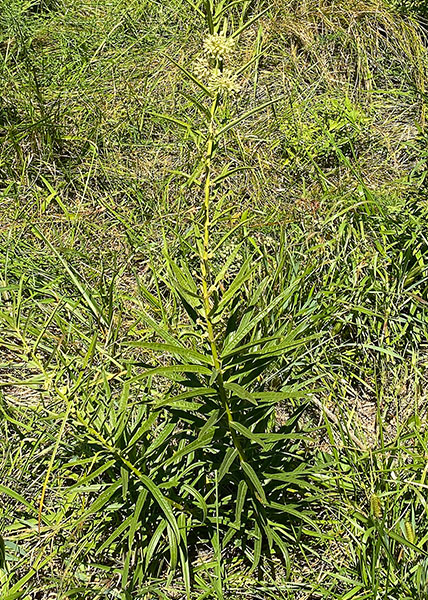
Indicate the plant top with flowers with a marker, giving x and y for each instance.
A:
(212, 68)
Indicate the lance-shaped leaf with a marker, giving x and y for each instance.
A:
(249, 113)
(255, 481)
(171, 372)
(185, 353)
(190, 76)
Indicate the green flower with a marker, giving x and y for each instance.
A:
(202, 68)
(218, 46)
(223, 82)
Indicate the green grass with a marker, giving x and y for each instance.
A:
(213, 305)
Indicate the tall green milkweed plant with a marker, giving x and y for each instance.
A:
(201, 468)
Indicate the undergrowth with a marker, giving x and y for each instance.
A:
(213, 300)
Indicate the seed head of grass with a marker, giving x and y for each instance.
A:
(376, 506)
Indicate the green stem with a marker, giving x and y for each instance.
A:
(205, 271)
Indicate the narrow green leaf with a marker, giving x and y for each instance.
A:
(245, 328)
(257, 547)
(229, 457)
(190, 76)
(2, 553)
(240, 501)
(241, 392)
(97, 312)
(115, 534)
(209, 15)
(15, 496)
(198, 497)
(296, 512)
(93, 475)
(162, 502)
(247, 433)
(248, 23)
(154, 541)
(186, 353)
(198, 443)
(245, 115)
(170, 370)
(227, 174)
(176, 121)
(251, 474)
(195, 392)
(100, 503)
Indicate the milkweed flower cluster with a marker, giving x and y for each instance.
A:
(210, 67)
(223, 82)
(202, 68)
(219, 46)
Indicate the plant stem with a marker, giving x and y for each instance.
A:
(205, 272)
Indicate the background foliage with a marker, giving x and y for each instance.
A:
(213, 308)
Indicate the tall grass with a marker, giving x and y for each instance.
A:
(213, 314)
